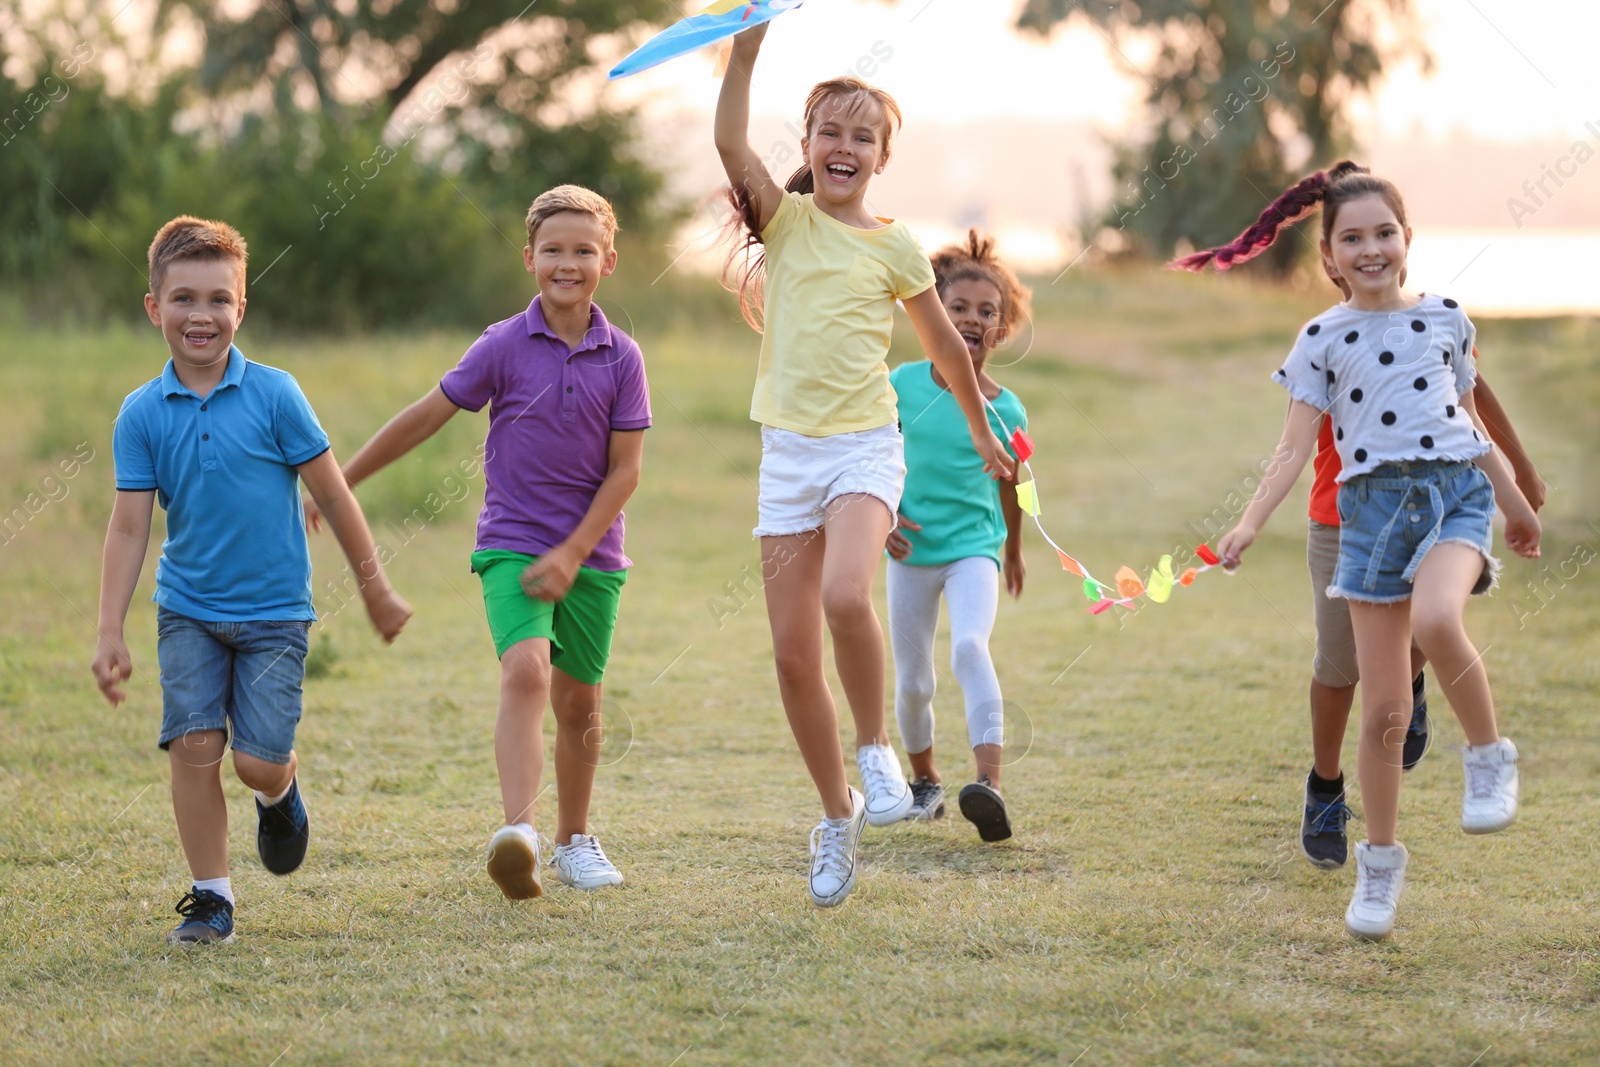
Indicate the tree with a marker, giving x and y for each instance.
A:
(1245, 95)
(484, 85)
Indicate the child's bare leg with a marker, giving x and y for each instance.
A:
(922, 765)
(270, 778)
(792, 569)
(519, 727)
(197, 801)
(1330, 716)
(578, 740)
(1444, 582)
(856, 528)
(1383, 643)
(988, 760)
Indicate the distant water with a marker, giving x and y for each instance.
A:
(1490, 271)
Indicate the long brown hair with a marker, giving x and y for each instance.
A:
(747, 259)
(1330, 189)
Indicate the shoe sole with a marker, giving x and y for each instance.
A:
(988, 814)
(1326, 865)
(1367, 935)
(197, 941)
(590, 888)
(514, 866)
(925, 816)
(1495, 828)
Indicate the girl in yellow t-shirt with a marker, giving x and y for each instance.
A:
(826, 277)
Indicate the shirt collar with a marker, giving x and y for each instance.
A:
(598, 335)
(171, 386)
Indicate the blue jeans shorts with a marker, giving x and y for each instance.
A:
(1391, 516)
(243, 675)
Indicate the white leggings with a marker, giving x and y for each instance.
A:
(971, 589)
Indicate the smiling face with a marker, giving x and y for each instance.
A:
(1366, 248)
(569, 255)
(200, 306)
(846, 146)
(977, 310)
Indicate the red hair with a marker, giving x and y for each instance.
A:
(1330, 189)
(745, 226)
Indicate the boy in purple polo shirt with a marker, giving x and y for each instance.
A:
(567, 400)
(222, 444)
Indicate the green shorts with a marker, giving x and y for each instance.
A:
(579, 627)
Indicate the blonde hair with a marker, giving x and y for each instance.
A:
(187, 237)
(572, 198)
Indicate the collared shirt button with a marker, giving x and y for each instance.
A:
(202, 407)
(205, 437)
(569, 388)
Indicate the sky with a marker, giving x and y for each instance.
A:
(1507, 70)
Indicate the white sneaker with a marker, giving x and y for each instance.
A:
(514, 862)
(1380, 876)
(888, 794)
(581, 864)
(1490, 803)
(833, 855)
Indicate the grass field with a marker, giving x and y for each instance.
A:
(1152, 909)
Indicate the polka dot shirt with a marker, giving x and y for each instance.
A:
(1392, 380)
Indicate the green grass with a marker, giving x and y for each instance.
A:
(1153, 908)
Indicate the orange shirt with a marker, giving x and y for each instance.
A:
(1326, 467)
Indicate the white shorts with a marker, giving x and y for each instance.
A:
(801, 476)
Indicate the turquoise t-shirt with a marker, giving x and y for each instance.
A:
(947, 492)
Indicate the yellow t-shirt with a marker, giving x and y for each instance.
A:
(830, 294)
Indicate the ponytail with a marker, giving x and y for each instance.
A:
(1300, 200)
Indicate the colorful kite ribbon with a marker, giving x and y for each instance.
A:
(721, 20)
(1129, 588)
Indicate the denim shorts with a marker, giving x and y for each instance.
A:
(243, 675)
(1392, 515)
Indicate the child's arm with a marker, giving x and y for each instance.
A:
(1014, 567)
(551, 577)
(127, 539)
(949, 353)
(1288, 460)
(1495, 420)
(732, 130)
(398, 436)
(333, 498)
(1522, 525)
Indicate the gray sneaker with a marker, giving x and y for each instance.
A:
(927, 801)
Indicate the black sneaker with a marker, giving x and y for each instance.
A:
(207, 918)
(283, 832)
(983, 807)
(1419, 735)
(1322, 836)
(927, 800)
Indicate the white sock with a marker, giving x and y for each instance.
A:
(222, 887)
(268, 802)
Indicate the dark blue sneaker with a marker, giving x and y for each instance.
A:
(283, 832)
(1322, 836)
(207, 918)
(1419, 735)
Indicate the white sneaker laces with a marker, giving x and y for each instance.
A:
(585, 857)
(830, 850)
(1376, 889)
(875, 775)
(1482, 778)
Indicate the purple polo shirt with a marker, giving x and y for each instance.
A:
(551, 413)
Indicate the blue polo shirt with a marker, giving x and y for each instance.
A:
(224, 469)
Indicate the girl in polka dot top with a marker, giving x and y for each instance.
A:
(1417, 495)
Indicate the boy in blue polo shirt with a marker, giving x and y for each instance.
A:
(222, 443)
